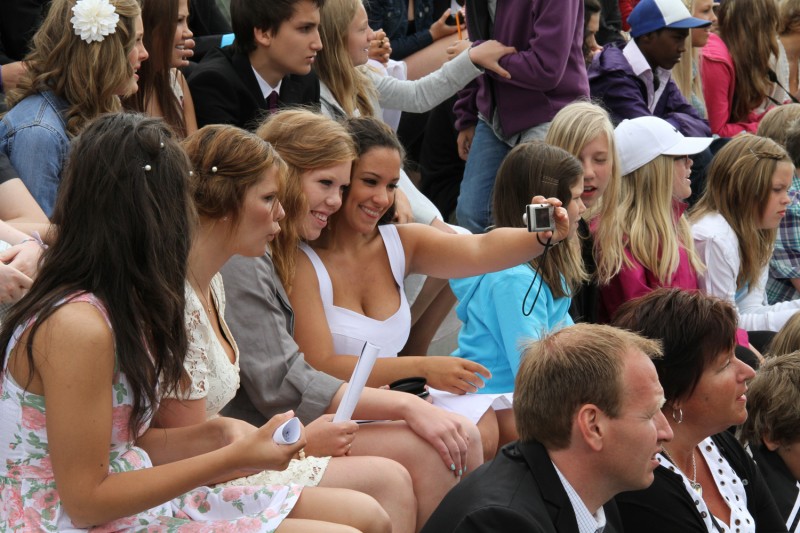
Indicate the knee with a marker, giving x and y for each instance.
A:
(372, 517)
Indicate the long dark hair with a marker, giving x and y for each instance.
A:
(159, 18)
(125, 219)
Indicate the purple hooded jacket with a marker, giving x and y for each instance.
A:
(612, 80)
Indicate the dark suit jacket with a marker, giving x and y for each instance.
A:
(225, 90)
(518, 491)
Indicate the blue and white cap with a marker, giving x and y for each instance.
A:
(652, 15)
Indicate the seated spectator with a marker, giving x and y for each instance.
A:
(687, 72)
(588, 409)
(163, 91)
(705, 480)
(584, 130)
(782, 125)
(634, 80)
(529, 300)
(651, 245)
(496, 113)
(499, 309)
(591, 24)
(610, 23)
(83, 353)
(80, 63)
(18, 22)
(267, 67)
(434, 446)
(210, 25)
(789, 37)
(378, 312)
(738, 66)
(235, 181)
(772, 431)
(734, 226)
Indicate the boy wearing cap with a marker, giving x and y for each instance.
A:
(635, 80)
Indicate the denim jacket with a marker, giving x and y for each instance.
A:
(392, 17)
(34, 137)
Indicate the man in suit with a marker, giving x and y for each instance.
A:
(588, 409)
(268, 65)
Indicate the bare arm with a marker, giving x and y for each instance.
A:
(17, 204)
(312, 333)
(74, 358)
(446, 256)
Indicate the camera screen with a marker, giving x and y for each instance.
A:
(542, 217)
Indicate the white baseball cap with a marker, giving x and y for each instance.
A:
(642, 139)
(652, 15)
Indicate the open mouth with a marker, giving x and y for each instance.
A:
(371, 212)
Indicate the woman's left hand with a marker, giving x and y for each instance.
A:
(379, 47)
(444, 431)
(487, 55)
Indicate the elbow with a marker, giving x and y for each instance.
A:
(84, 512)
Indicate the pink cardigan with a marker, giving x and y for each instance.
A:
(719, 82)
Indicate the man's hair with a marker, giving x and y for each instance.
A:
(773, 402)
(561, 372)
(247, 15)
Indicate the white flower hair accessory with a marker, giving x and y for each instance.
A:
(94, 19)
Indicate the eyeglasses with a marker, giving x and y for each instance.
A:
(682, 158)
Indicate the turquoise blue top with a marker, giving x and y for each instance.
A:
(494, 330)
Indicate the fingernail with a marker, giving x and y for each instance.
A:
(460, 473)
(453, 467)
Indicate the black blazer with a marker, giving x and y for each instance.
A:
(518, 491)
(225, 90)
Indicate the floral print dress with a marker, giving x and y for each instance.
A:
(29, 498)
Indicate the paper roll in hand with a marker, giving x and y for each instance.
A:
(288, 432)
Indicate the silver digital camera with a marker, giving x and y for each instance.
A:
(539, 217)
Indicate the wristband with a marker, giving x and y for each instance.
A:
(35, 237)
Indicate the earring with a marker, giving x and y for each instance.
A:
(677, 415)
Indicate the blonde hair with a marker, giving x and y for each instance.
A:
(305, 141)
(538, 168)
(789, 21)
(776, 123)
(690, 85)
(787, 340)
(738, 188)
(649, 230)
(349, 84)
(86, 75)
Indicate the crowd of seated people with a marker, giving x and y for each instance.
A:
(206, 216)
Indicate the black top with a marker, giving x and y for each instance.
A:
(667, 507)
(781, 483)
(585, 301)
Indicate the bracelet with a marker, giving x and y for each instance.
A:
(35, 237)
(301, 454)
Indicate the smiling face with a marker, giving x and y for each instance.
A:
(702, 9)
(718, 401)
(322, 189)
(596, 162)
(182, 32)
(359, 34)
(291, 49)
(257, 224)
(778, 198)
(637, 434)
(663, 48)
(372, 188)
(681, 169)
(136, 57)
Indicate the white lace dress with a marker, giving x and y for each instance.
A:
(216, 379)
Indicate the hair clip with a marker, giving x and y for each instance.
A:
(162, 145)
(213, 170)
(549, 181)
(191, 173)
(147, 168)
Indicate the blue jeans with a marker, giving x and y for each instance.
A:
(474, 208)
